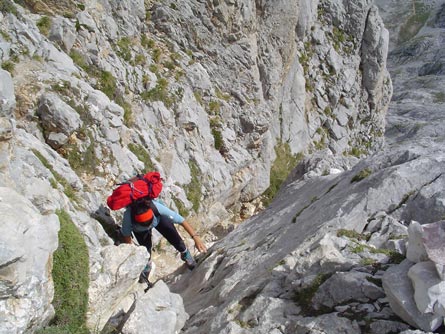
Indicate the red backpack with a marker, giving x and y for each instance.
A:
(148, 185)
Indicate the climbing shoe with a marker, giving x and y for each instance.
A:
(188, 259)
(143, 277)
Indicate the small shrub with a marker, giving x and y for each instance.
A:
(8, 66)
(139, 59)
(147, 43)
(156, 55)
(218, 139)
(284, 162)
(214, 107)
(193, 189)
(124, 51)
(44, 25)
(361, 175)
(107, 83)
(159, 93)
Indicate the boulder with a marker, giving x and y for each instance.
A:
(400, 293)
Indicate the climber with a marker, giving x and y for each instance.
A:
(157, 215)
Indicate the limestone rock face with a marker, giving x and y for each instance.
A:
(26, 286)
(158, 311)
(204, 92)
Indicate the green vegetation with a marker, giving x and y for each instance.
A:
(107, 83)
(83, 161)
(198, 97)
(351, 234)
(218, 139)
(193, 189)
(78, 59)
(221, 95)
(146, 42)
(5, 35)
(356, 152)
(7, 6)
(439, 97)
(68, 189)
(141, 153)
(44, 25)
(284, 163)
(182, 210)
(304, 296)
(156, 55)
(71, 278)
(414, 23)
(364, 173)
(214, 107)
(8, 66)
(160, 93)
(124, 51)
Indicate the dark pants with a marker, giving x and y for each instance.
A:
(167, 230)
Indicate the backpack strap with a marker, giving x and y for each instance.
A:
(155, 209)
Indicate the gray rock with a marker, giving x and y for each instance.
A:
(400, 293)
(7, 96)
(387, 327)
(433, 236)
(429, 289)
(328, 323)
(346, 287)
(416, 251)
(26, 249)
(157, 311)
(57, 118)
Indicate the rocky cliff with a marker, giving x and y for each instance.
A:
(206, 93)
(354, 252)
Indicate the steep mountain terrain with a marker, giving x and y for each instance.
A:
(315, 260)
(215, 94)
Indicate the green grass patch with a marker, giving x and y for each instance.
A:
(44, 25)
(351, 234)
(414, 23)
(284, 163)
(78, 59)
(193, 189)
(71, 279)
(141, 153)
(361, 175)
